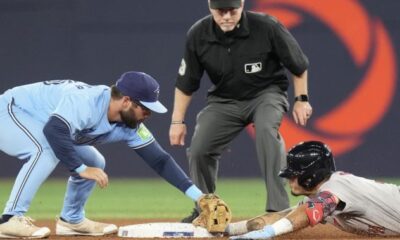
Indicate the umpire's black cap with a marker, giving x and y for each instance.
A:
(216, 4)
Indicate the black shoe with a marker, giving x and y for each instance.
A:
(5, 218)
(271, 211)
(191, 217)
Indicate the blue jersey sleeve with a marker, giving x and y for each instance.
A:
(58, 136)
(164, 165)
(139, 137)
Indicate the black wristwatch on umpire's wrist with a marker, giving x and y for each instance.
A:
(301, 98)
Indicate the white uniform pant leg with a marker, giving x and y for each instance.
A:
(21, 136)
(79, 189)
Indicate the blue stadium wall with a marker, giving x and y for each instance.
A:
(353, 47)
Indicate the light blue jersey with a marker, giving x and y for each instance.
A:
(82, 106)
(25, 110)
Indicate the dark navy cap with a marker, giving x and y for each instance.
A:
(217, 4)
(141, 87)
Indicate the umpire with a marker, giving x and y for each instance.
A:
(245, 55)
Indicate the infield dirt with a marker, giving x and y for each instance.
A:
(320, 232)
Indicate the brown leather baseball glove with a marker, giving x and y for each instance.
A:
(215, 214)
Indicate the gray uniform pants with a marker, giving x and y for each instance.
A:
(222, 120)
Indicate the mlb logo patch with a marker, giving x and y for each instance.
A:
(252, 67)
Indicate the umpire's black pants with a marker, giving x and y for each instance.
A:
(222, 120)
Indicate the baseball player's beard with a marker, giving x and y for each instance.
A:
(129, 119)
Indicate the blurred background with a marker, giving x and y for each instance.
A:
(353, 47)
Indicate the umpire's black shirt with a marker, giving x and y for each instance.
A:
(242, 62)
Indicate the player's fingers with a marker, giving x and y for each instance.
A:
(100, 177)
(97, 178)
(101, 182)
(104, 179)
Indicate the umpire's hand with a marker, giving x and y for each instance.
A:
(96, 174)
(302, 111)
(177, 133)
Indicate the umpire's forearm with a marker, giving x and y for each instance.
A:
(300, 84)
(181, 104)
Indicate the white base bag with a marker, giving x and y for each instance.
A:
(163, 230)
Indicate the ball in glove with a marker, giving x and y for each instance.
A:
(215, 214)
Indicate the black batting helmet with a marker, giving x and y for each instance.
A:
(311, 162)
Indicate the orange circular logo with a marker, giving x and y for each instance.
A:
(369, 45)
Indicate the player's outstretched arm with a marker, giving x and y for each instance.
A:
(310, 213)
(295, 220)
(255, 223)
(165, 165)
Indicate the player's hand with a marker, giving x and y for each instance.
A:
(302, 111)
(177, 133)
(96, 174)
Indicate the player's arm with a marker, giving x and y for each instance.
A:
(57, 133)
(308, 214)
(255, 223)
(163, 163)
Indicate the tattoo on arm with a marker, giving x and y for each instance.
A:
(259, 222)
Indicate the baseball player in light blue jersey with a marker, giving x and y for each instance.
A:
(60, 121)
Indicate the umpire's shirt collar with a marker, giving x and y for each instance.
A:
(215, 34)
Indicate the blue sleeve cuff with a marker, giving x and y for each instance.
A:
(266, 233)
(269, 231)
(194, 192)
(80, 169)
